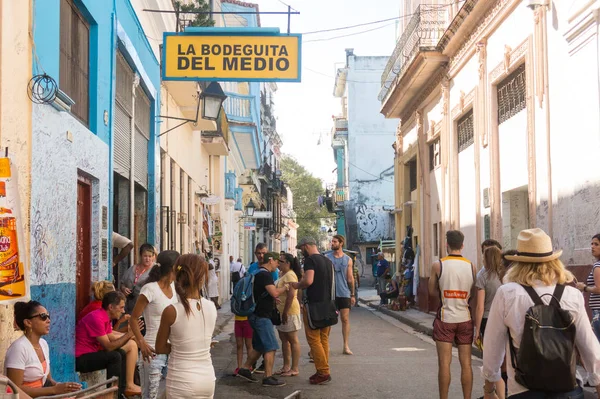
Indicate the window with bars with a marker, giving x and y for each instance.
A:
(74, 59)
(412, 174)
(435, 157)
(512, 93)
(466, 133)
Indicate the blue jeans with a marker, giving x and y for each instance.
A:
(263, 334)
(596, 323)
(576, 394)
(153, 376)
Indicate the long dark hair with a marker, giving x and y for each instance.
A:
(191, 271)
(164, 265)
(24, 311)
(294, 265)
(494, 265)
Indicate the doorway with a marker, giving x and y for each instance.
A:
(84, 247)
(515, 215)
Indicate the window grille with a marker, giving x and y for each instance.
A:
(512, 93)
(435, 157)
(412, 170)
(466, 132)
(74, 59)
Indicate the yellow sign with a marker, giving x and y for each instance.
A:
(232, 58)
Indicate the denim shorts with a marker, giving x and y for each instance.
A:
(263, 337)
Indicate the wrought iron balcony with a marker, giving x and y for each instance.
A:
(422, 34)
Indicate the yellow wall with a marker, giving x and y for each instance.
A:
(15, 119)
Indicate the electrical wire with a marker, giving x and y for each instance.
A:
(367, 172)
(351, 26)
(384, 20)
(349, 34)
(287, 5)
(334, 77)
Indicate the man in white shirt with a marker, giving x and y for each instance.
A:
(236, 270)
(124, 245)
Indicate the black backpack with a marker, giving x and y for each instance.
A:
(546, 357)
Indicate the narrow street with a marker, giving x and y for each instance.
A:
(390, 360)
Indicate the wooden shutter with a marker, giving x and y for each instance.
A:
(75, 59)
(142, 136)
(123, 115)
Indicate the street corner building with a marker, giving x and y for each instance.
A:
(497, 117)
(91, 160)
(361, 138)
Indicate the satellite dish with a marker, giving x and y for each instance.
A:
(211, 200)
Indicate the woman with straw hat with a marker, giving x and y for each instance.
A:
(537, 266)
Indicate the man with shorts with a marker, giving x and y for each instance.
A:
(453, 277)
(344, 286)
(264, 341)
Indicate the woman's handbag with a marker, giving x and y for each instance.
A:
(276, 317)
(323, 314)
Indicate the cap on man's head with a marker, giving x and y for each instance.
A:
(379, 253)
(269, 256)
(306, 241)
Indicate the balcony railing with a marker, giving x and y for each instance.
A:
(423, 33)
(340, 195)
(238, 106)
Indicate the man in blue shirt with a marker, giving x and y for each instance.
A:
(259, 252)
(383, 268)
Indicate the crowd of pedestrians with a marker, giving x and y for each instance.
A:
(530, 320)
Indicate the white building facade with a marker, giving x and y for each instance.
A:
(498, 103)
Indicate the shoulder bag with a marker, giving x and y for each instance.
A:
(323, 314)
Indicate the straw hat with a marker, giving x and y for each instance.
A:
(534, 246)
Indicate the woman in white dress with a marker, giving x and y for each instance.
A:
(157, 293)
(185, 333)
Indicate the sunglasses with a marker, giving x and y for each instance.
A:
(42, 316)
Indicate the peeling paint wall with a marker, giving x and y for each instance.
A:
(370, 154)
(56, 165)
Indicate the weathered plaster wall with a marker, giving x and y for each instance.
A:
(370, 155)
(15, 121)
(574, 116)
(56, 164)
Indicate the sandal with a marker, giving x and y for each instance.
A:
(290, 373)
(281, 371)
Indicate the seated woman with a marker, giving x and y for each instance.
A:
(28, 358)
(391, 291)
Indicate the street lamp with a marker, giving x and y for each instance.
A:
(250, 209)
(212, 98)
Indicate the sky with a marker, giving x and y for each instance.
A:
(304, 110)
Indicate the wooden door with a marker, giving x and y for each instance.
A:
(84, 247)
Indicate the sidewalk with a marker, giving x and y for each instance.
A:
(224, 315)
(420, 321)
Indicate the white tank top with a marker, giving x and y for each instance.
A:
(190, 343)
(455, 281)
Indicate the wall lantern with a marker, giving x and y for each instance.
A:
(212, 99)
(250, 209)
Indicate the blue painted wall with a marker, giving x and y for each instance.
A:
(113, 25)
